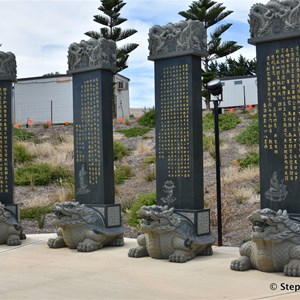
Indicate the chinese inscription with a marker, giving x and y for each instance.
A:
(174, 135)
(281, 110)
(4, 141)
(87, 135)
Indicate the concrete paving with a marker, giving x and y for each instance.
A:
(34, 271)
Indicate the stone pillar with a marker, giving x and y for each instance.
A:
(176, 50)
(275, 31)
(91, 64)
(8, 74)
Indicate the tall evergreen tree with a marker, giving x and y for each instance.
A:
(210, 13)
(111, 31)
(231, 67)
(111, 20)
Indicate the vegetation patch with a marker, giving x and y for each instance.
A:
(227, 121)
(120, 150)
(39, 174)
(150, 160)
(22, 134)
(21, 154)
(136, 131)
(148, 119)
(36, 214)
(251, 160)
(143, 199)
(249, 136)
(122, 172)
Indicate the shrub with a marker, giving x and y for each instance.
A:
(21, 154)
(143, 199)
(136, 131)
(122, 172)
(119, 150)
(227, 121)
(39, 174)
(35, 213)
(249, 136)
(150, 160)
(22, 134)
(251, 160)
(148, 118)
(209, 145)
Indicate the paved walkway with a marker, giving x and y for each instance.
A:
(34, 271)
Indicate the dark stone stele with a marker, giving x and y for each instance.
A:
(277, 38)
(6, 162)
(93, 133)
(8, 74)
(176, 50)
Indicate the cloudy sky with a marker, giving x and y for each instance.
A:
(39, 32)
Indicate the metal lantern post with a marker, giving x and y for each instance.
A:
(215, 88)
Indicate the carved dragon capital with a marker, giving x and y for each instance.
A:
(178, 37)
(275, 17)
(8, 66)
(92, 53)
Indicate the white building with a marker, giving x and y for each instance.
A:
(239, 91)
(50, 98)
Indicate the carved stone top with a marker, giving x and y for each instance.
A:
(275, 18)
(8, 66)
(185, 36)
(92, 54)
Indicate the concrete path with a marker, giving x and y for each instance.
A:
(34, 271)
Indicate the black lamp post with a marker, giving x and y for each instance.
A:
(216, 89)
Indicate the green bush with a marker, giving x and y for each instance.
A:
(21, 154)
(208, 122)
(249, 136)
(209, 145)
(136, 131)
(143, 199)
(227, 121)
(35, 213)
(122, 172)
(120, 150)
(39, 174)
(22, 134)
(150, 160)
(251, 160)
(148, 118)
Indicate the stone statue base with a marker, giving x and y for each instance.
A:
(11, 233)
(274, 244)
(87, 228)
(168, 235)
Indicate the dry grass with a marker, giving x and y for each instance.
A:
(118, 136)
(38, 200)
(61, 154)
(144, 147)
(65, 193)
(234, 175)
(208, 162)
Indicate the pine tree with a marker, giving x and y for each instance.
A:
(111, 20)
(232, 67)
(210, 13)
